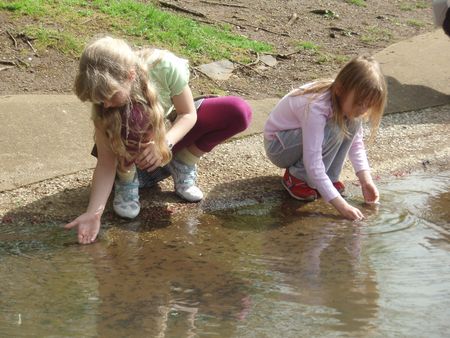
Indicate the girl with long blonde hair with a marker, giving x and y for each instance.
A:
(312, 129)
(147, 126)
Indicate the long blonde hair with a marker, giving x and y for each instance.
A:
(362, 75)
(105, 66)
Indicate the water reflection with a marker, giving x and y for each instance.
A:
(165, 286)
(309, 273)
(270, 268)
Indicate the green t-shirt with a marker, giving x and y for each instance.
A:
(169, 75)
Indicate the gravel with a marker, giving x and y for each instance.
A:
(238, 173)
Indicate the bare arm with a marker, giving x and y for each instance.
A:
(88, 224)
(370, 193)
(186, 116)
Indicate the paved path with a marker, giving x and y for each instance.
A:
(44, 136)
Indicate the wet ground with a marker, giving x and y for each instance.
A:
(268, 267)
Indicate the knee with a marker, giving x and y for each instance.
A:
(240, 113)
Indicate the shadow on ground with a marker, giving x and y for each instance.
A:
(254, 204)
(406, 97)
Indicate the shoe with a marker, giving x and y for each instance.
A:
(149, 179)
(184, 177)
(298, 188)
(126, 198)
(340, 187)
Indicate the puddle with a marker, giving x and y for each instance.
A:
(270, 269)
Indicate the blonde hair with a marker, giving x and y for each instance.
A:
(363, 76)
(105, 67)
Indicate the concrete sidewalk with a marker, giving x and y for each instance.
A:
(44, 136)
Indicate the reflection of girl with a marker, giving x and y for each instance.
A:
(324, 274)
(151, 287)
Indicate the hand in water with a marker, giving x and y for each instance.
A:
(346, 209)
(352, 213)
(88, 226)
(370, 193)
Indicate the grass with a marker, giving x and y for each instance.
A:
(415, 23)
(308, 45)
(329, 57)
(321, 57)
(52, 38)
(411, 6)
(67, 25)
(375, 34)
(422, 5)
(360, 3)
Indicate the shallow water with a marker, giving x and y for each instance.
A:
(278, 268)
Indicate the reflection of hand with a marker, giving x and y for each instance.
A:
(370, 192)
(149, 158)
(88, 225)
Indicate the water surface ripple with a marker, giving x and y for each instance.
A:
(278, 268)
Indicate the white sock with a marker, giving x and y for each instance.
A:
(126, 176)
(187, 157)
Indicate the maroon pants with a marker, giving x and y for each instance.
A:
(218, 119)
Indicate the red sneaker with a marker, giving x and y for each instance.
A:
(340, 187)
(297, 188)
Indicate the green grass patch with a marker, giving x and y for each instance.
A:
(331, 58)
(52, 38)
(140, 23)
(375, 34)
(360, 3)
(307, 45)
(422, 4)
(415, 23)
(411, 6)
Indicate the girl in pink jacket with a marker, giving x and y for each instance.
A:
(312, 129)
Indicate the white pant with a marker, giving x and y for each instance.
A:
(286, 150)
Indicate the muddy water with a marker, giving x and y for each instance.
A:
(277, 268)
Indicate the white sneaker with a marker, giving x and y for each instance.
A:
(184, 176)
(126, 198)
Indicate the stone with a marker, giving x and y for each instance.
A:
(269, 60)
(219, 70)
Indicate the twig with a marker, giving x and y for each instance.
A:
(181, 9)
(249, 65)
(23, 62)
(209, 22)
(12, 37)
(31, 46)
(222, 4)
(254, 62)
(283, 56)
(87, 20)
(5, 68)
(7, 62)
(261, 28)
(251, 68)
(293, 18)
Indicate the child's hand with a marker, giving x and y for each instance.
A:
(369, 190)
(148, 159)
(88, 225)
(370, 193)
(346, 209)
(351, 213)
